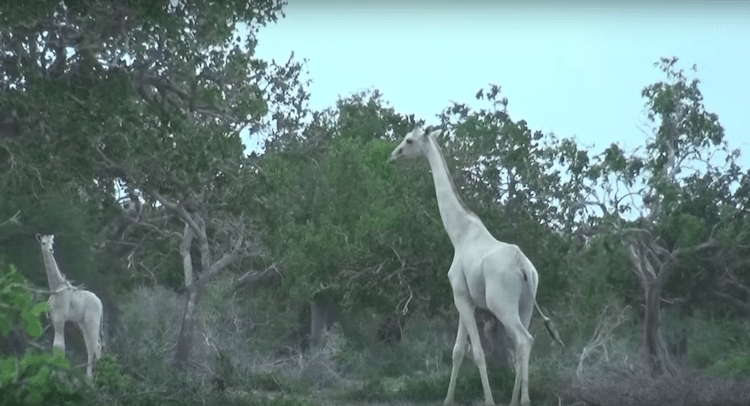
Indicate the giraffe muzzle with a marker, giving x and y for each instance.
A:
(394, 156)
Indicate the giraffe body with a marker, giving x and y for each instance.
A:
(68, 303)
(485, 273)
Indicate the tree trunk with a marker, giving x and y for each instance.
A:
(189, 317)
(191, 213)
(656, 353)
(645, 267)
(320, 320)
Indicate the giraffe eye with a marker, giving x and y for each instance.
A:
(409, 141)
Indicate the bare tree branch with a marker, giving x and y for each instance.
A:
(227, 259)
(184, 216)
(12, 220)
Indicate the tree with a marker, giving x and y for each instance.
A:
(676, 198)
(348, 227)
(146, 99)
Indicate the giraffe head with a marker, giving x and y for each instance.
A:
(414, 144)
(47, 241)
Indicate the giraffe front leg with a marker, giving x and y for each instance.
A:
(459, 350)
(59, 341)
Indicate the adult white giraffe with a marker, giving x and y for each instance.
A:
(485, 272)
(69, 303)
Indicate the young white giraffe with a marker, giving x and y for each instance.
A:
(69, 303)
(485, 272)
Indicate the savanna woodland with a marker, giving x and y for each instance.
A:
(314, 272)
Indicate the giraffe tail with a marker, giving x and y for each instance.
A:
(526, 265)
(550, 326)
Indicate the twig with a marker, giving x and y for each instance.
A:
(12, 220)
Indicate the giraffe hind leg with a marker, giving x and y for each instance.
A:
(90, 327)
(522, 340)
(85, 329)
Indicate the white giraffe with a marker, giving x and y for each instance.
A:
(69, 303)
(485, 272)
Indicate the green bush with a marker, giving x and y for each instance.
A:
(17, 303)
(285, 401)
(370, 391)
(41, 379)
(150, 325)
(433, 387)
(734, 365)
(112, 382)
(37, 378)
(271, 381)
(230, 356)
(711, 335)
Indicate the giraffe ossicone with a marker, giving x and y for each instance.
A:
(69, 303)
(484, 273)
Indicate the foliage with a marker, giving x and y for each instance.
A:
(601, 274)
(17, 304)
(110, 377)
(57, 213)
(36, 378)
(149, 109)
(420, 388)
(522, 184)
(736, 365)
(152, 104)
(41, 379)
(142, 340)
(716, 340)
(505, 162)
(230, 362)
(336, 212)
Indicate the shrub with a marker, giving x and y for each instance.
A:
(711, 336)
(37, 378)
(734, 365)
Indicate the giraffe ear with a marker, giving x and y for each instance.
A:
(435, 133)
(38, 237)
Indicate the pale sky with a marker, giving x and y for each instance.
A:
(575, 69)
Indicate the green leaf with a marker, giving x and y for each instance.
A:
(4, 324)
(8, 370)
(33, 324)
(40, 308)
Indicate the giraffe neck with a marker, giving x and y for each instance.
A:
(55, 279)
(457, 218)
